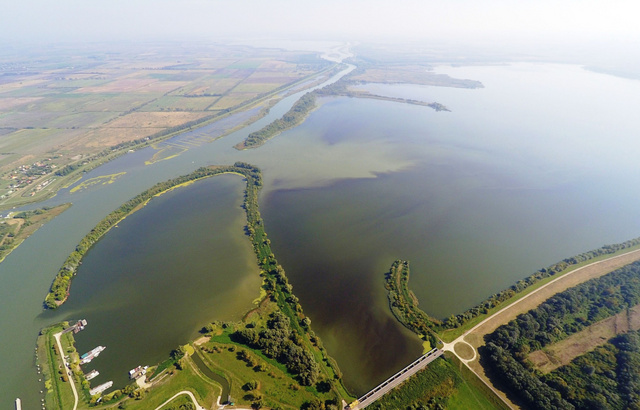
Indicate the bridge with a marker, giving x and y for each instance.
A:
(393, 381)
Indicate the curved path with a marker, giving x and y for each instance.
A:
(188, 393)
(66, 369)
(530, 301)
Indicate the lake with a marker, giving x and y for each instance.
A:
(536, 166)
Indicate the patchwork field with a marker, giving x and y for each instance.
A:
(563, 352)
(67, 106)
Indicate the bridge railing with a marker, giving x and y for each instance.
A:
(382, 385)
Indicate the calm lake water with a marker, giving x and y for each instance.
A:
(537, 166)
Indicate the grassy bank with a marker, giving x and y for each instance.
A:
(443, 384)
(449, 335)
(17, 228)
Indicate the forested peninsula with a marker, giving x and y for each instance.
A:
(293, 117)
(404, 304)
(278, 329)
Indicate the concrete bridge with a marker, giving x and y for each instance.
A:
(395, 380)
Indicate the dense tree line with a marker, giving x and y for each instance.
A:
(404, 304)
(606, 378)
(527, 386)
(60, 287)
(521, 285)
(290, 119)
(279, 342)
(507, 349)
(299, 335)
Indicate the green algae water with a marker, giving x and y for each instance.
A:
(537, 166)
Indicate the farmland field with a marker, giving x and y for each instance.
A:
(68, 106)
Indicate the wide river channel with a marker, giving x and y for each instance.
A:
(538, 165)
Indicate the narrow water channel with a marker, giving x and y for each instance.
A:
(226, 388)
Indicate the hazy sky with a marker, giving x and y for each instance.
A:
(492, 20)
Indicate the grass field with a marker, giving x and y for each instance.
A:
(179, 103)
(275, 385)
(231, 101)
(161, 120)
(443, 384)
(205, 390)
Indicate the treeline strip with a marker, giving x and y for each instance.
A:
(507, 349)
(604, 378)
(290, 119)
(341, 88)
(288, 337)
(458, 320)
(59, 290)
(404, 304)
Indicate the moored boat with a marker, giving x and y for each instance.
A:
(100, 389)
(90, 355)
(91, 375)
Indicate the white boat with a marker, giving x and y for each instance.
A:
(101, 388)
(90, 355)
(138, 372)
(91, 375)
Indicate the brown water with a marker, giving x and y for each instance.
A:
(537, 166)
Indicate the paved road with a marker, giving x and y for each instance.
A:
(187, 392)
(515, 305)
(396, 379)
(66, 369)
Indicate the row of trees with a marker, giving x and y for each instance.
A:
(404, 304)
(521, 285)
(292, 118)
(288, 337)
(507, 349)
(60, 287)
(605, 378)
(279, 342)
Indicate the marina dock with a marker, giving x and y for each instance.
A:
(100, 389)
